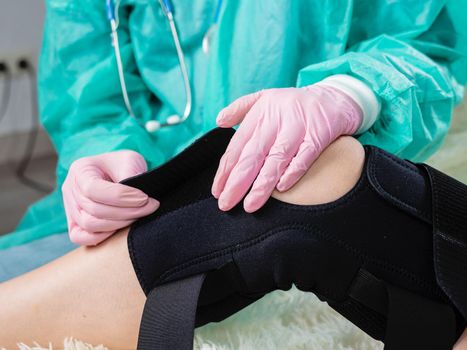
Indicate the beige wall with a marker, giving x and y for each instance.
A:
(452, 157)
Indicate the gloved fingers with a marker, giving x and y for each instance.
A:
(280, 155)
(232, 154)
(91, 183)
(246, 169)
(103, 211)
(234, 113)
(82, 237)
(67, 197)
(78, 217)
(124, 164)
(306, 155)
(106, 192)
(77, 234)
(92, 224)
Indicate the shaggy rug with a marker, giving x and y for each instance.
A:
(293, 319)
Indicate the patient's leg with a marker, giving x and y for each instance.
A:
(90, 293)
(93, 293)
(333, 174)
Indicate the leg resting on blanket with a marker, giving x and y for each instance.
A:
(93, 293)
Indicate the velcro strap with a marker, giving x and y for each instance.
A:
(450, 236)
(413, 321)
(369, 291)
(169, 315)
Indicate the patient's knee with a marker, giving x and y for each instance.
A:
(334, 173)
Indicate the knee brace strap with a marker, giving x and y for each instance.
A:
(450, 236)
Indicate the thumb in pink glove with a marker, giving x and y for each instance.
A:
(96, 205)
(281, 134)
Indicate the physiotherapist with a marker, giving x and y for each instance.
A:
(294, 74)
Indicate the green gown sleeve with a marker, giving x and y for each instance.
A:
(415, 60)
(81, 104)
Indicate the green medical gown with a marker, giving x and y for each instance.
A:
(412, 53)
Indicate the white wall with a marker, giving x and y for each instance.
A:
(21, 23)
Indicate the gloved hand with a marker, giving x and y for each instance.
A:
(96, 205)
(281, 134)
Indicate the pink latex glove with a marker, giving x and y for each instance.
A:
(96, 205)
(281, 134)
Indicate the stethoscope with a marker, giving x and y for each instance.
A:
(167, 7)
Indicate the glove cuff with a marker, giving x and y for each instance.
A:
(361, 93)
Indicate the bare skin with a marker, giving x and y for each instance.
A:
(462, 342)
(93, 294)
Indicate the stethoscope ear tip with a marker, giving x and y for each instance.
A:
(152, 126)
(173, 119)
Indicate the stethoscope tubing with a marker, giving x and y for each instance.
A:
(167, 7)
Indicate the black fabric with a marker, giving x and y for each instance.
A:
(410, 316)
(169, 314)
(186, 172)
(370, 291)
(382, 226)
(450, 236)
(415, 322)
(404, 185)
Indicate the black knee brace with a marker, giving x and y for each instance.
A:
(390, 255)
